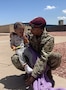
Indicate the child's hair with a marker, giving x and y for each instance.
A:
(18, 25)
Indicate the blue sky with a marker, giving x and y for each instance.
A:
(12, 11)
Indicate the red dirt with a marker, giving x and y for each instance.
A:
(61, 71)
(58, 33)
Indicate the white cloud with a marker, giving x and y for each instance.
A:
(64, 11)
(50, 7)
(62, 17)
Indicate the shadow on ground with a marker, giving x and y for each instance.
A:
(14, 82)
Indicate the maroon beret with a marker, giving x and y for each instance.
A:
(38, 22)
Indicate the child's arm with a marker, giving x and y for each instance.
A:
(12, 41)
(13, 47)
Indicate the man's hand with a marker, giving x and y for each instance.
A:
(30, 80)
(25, 39)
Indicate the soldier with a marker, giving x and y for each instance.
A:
(42, 43)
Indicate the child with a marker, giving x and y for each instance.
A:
(18, 42)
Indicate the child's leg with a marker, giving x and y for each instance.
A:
(31, 55)
(28, 69)
(20, 54)
(22, 59)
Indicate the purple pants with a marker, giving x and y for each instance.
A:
(43, 82)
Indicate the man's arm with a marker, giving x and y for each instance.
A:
(41, 62)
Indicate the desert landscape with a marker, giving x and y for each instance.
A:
(12, 78)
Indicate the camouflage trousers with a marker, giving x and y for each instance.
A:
(54, 59)
(16, 62)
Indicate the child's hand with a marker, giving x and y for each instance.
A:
(14, 48)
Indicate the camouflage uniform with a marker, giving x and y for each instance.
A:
(16, 62)
(44, 46)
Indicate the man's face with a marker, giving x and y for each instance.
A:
(36, 31)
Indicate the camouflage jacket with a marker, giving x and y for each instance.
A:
(43, 45)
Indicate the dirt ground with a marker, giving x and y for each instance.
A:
(12, 79)
(60, 46)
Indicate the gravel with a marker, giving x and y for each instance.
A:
(61, 48)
